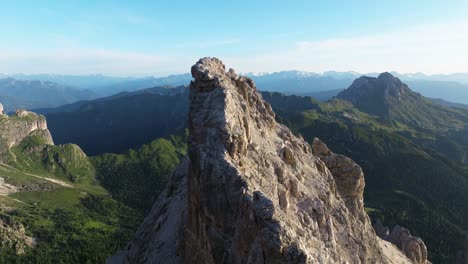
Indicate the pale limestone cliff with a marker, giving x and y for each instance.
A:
(413, 247)
(252, 192)
(19, 126)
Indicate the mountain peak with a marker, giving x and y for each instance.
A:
(377, 95)
(252, 192)
(386, 76)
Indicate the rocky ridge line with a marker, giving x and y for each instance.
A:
(252, 192)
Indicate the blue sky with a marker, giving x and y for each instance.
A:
(163, 37)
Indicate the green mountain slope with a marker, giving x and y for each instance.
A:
(52, 206)
(118, 123)
(413, 177)
(136, 177)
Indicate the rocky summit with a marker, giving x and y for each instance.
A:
(378, 95)
(18, 127)
(384, 87)
(252, 192)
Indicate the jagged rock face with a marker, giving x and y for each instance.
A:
(348, 176)
(413, 247)
(19, 126)
(255, 193)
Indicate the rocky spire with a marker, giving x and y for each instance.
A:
(1, 109)
(252, 192)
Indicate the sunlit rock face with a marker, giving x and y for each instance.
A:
(252, 192)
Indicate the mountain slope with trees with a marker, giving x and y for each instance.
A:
(415, 175)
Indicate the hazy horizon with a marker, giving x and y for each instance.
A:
(324, 73)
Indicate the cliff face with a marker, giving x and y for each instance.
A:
(252, 192)
(18, 127)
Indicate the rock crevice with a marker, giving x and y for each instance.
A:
(254, 192)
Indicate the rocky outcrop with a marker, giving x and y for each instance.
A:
(13, 235)
(413, 247)
(348, 176)
(254, 192)
(1, 109)
(16, 128)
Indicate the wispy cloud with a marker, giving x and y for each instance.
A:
(90, 61)
(431, 48)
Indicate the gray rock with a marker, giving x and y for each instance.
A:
(413, 247)
(255, 193)
(348, 176)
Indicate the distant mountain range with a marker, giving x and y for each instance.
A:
(413, 151)
(106, 85)
(34, 94)
(117, 123)
(65, 89)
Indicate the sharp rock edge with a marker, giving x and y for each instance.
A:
(252, 192)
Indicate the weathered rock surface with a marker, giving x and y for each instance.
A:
(349, 177)
(13, 235)
(255, 193)
(413, 247)
(1, 109)
(159, 239)
(16, 128)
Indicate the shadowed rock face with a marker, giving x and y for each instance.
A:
(254, 192)
(377, 95)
